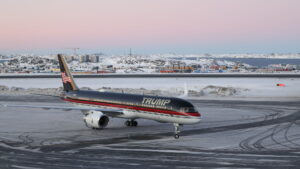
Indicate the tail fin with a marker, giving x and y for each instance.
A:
(66, 75)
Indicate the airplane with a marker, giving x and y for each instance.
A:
(98, 106)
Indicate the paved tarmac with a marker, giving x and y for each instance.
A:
(232, 134)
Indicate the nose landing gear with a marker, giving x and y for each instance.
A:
(177, 130)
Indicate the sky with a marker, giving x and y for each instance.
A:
(150, 26)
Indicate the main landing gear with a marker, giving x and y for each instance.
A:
(131, 123)
(177, 130)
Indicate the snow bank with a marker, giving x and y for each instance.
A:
(198, 88)
(221, 91)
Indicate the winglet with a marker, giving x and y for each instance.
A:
(66, 76)
(185, 91)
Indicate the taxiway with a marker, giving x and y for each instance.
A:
(241, 134)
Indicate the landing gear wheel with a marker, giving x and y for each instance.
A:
(134, 123)
(131, 123)
(127, 123)
(177, 130)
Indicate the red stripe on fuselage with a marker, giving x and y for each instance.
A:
(133, 107)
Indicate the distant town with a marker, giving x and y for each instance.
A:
(159, 63)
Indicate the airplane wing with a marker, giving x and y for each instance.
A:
(109, 112)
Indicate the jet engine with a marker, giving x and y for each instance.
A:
(95, 120)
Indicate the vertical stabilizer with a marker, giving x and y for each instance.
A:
(66, 76)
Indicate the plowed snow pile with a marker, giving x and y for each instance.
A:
(221, 91)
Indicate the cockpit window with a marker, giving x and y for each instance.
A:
(188, 109)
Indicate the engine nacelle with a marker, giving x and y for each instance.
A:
(96, 119)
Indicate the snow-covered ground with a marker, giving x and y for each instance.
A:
(197, 87)
(237, 55)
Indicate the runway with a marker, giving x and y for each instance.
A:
(232, 134)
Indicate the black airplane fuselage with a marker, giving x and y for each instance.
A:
(139, 104)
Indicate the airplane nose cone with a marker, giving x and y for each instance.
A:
(196, 117)
(194, 114)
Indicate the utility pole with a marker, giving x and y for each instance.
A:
(74, 50)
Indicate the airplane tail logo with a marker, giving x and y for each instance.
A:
(66, 76)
